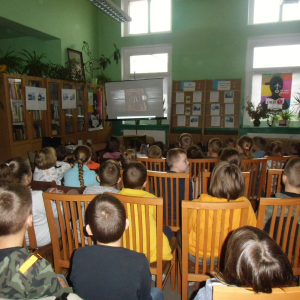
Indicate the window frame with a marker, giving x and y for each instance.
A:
(125, 25)
(265, 41)
(126, 52)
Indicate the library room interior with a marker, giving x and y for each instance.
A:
(96, 94)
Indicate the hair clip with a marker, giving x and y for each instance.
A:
(247, 148)
(80, 157)
(7, 164)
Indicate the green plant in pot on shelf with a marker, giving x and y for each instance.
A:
(295, 106)
(33, 64)
(10, 62)
(100, 63)
(256, 112)
(285, 116)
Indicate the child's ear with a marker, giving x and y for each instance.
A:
(127, 224)
(119, 179)
(28, 222)
(98, 178)
(88, 230)
(284, 179)
(144, 185)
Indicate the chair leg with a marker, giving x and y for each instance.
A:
(178, 278)
(173, 272)
(185, 287)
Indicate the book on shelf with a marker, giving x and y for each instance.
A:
(17, 112)
(19, 132)
(80, 125)
(37, 132)
(54, 110)
(15, 90)
(80, 110)
(69, 128)
(37, 115)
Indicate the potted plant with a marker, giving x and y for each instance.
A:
(33, 64)
(10, 63)
(256, 113)
(296, 105)
(286, 116)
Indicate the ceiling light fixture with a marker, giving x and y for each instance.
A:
(112, 10)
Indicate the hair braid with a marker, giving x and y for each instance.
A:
(80, 168)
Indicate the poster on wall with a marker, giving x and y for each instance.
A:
(95, 110)
(35, 98)
(68, 98)
(276, 91)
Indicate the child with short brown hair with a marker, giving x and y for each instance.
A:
(214, 148)
(185, 140)
(127, 157)
(154, 152)
(244, 146)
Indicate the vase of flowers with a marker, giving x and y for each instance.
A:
(256, 112)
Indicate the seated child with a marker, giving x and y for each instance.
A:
(127, 157)
(244, 147)
(106, 268)
(227, 184)
(295, 149)
(62, 153)
(45, 166)
(80, 175)
(231, 155)
(154, 152)
(194, 152)
(112, 149)
(23, 275)
(252, 260)
(18, 170)
(185, 140)
(276, 150)
(259, 145)
(134, 180)
(214, 148)
(230, 143)
(109, 175)
(136, 145)
(162, 146)
(92, 164)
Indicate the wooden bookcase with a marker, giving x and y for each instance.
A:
(22, 130)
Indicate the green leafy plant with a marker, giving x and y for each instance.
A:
(33, 63)
(296, 105)
(257, 112)
(286, 115)
(11, 62)
(58, 71)
(100, 63)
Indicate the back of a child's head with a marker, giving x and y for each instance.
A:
(135, 175)
(292, 171)
(173, 156)
(215, 145)
(185, 140)
(227, 181)
(160, 144)
(82, 154)
(231, 155)
(259, 142)
(15, 207)
(194, 152)
(295, 149)
(154, 152)
(113, 144)
(109, 173)
(14, 170)
(276, 149)
(106, 217)
(45, 158)
(230, 142)
(245, 144)
(127, 157)
(136, 144)
(61, 152)
(253, 259)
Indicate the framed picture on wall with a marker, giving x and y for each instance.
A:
(76, 63)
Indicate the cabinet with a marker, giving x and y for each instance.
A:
(22, 130)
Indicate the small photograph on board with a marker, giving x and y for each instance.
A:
(197, 109)
(188, 99)
(187, 111)
(215, 109)
(214, 97)
(41, 97)
(197, 97)
(179, 97)
(31, 96)
(229, 121)
(194, 121)
(228, 96)
(215, 121)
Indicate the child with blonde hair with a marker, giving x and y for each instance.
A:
(214, 148)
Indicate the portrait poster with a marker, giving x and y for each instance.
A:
(95, 110)
(35, 98)
(276, 91)
(68, 98)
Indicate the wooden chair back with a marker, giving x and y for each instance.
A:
(167, 186)
(258, 169)
(218, 220)
(197, 167)
(45, 185)
(231, 292)
(277, 162)
(154, 164)
(32, 238)
(137, 237)
(206, 177)
(283, 226)
(71, 211)
(274, 182)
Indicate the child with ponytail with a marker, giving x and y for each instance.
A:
(244, 146)
(80, 175)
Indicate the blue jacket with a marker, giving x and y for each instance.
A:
(72, 177)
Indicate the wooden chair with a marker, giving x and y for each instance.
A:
(233, 293)
(219, 214)
(68, 207)
(140, 206)
(154, 164)
(274, 180)
(277, 162)
(258, 169)
(197, 167)
(206, 177)
(166, 185)
(284, 226)
(45, 185)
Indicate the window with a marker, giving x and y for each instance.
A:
(148, 16)
(271, 55)
(267, 11)
(149, 62)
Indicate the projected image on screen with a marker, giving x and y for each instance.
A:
(135, 99)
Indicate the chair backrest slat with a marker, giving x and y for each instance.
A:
(154, 164)
(274, 179)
